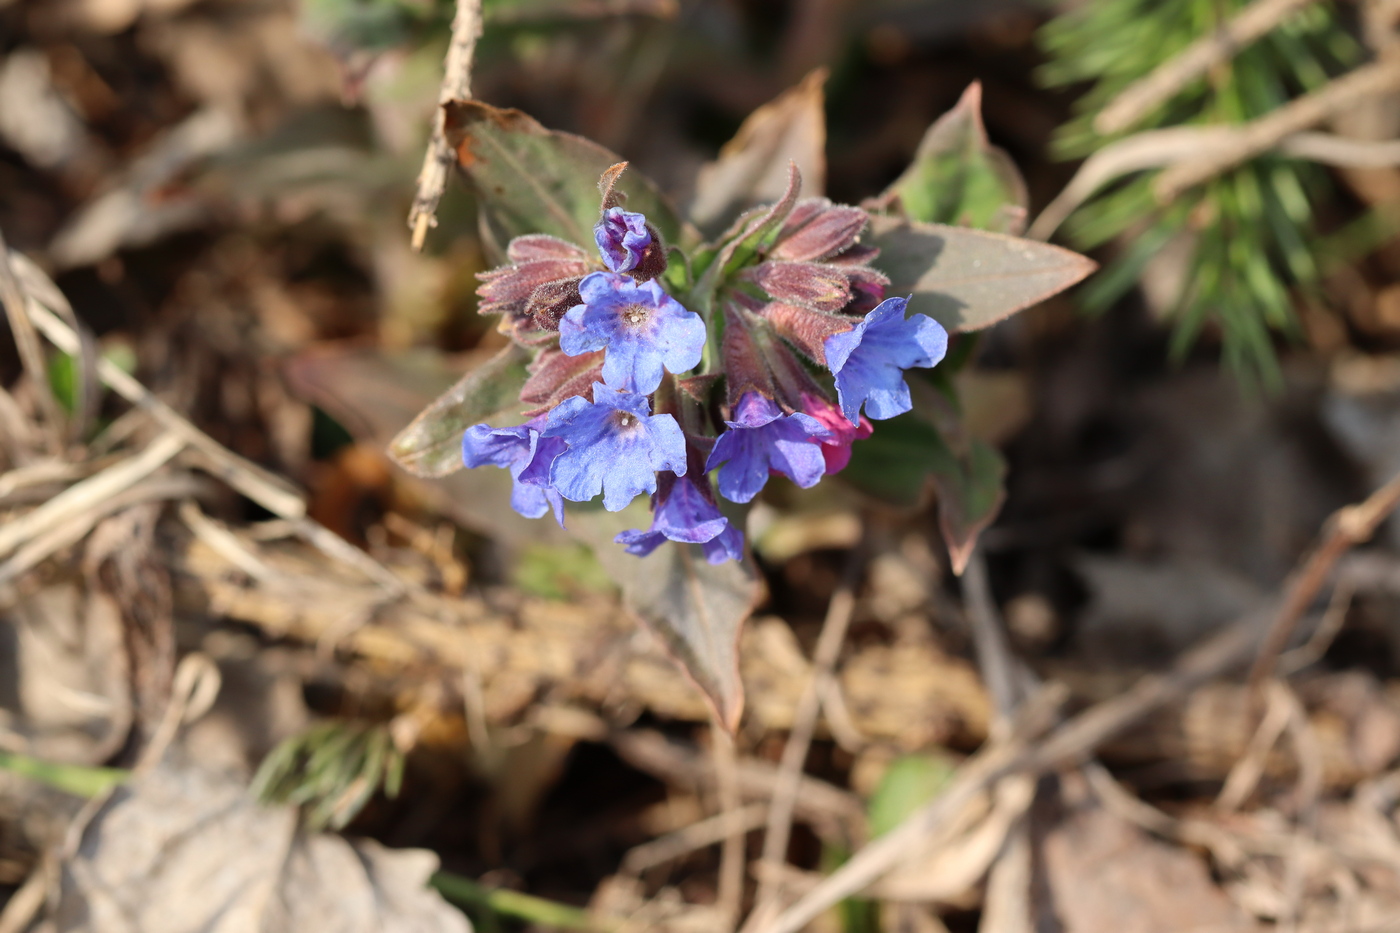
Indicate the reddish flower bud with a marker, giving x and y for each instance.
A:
(742, 357)
(542, 266)
(803, 283)
(548, 303)
(805, 328)
(555, 376)
(817, 229)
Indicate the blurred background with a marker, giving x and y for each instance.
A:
(219, 188)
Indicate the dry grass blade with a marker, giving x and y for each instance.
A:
(15, 300)
(53, 539)
(90, 493)
(456, 85)
(1166, 80)
(683, 841)
(248, 478)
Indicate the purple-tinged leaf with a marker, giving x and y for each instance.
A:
(970, 279)
(696, 609)
(431, 445)
(533, 180)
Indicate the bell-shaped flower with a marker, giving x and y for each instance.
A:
(527, 455)
(684, 510)
(615, 446)
(762, 440)
(869, 360)
(836, 446)
(643, 329)
(622, 238)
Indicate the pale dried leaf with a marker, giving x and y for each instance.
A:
(183, 850)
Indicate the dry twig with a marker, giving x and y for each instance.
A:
(1180, 144)
(1167, 79)
(1348, 527)
(779, 829)
(1259, 136)
(456, 85)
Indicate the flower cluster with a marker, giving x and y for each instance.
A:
(617, 407)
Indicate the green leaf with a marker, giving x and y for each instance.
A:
(79, 780)
(959, 177)
(970, 279)
(529, 179)
(893, 464)
(896, 463)
(910, 782)
(431, 445)
(696, 609)
(971, 489)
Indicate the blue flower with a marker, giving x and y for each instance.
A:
(622, 237)
(615, 446)
(527, 455)
(641, 327)
(761, 439)
(869, 359)
(684, 510)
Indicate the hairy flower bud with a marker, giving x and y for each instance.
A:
(541, 280)
(555, 376)
(803, 283)
(806, 329)
(817, 229)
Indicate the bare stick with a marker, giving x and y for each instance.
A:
(731, 861)
(989, 637)
(1346, 528)
(804, 721)
(1167, 79)
(456, 85)
(31, 354)
(683, 841)
(1261, 135)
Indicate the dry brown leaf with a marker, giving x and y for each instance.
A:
(1105, 875)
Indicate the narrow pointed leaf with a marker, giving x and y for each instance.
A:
(529, 179)
(970, 279)
(958, 177)
(431, 445)
(753, 166)
(696, 609)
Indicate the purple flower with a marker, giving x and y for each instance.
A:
(622, 237)
(527, 455)
(869, 359)
(642, 328)
(684, 510)
(615, 447)
(761, 439)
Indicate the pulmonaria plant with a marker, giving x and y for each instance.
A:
(765, 354)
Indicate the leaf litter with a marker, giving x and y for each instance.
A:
(549, 744)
